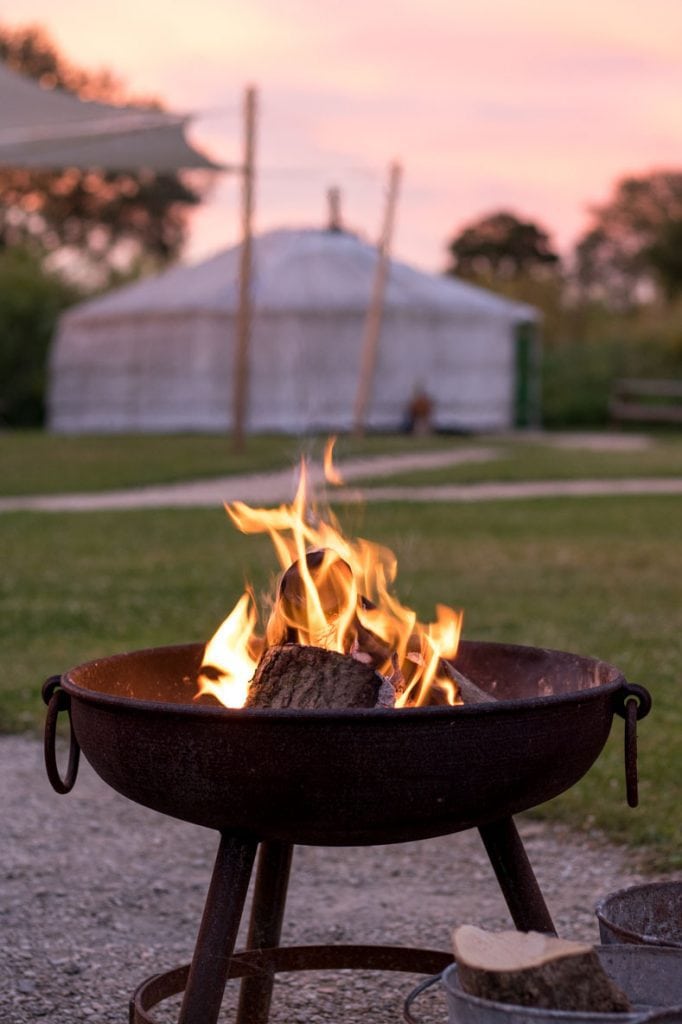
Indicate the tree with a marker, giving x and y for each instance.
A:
(665, 255)
(109, 222)
(501, 247)
(631, 250)
(31, 299)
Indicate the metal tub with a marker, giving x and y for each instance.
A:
(649, 915)
(650, 977)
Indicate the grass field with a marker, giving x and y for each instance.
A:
(599, 576)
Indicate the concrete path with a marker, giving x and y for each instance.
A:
(255, 489)
(268, 489)
(515, 490)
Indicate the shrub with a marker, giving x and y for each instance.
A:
(31, 299)
(596, 348)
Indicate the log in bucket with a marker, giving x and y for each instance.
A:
(650, 977)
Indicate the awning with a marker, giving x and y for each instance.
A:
(44, 129)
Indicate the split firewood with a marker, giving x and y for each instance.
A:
(469, 692)
(531, 969)
(299, 676)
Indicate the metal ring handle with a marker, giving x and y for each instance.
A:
(630, 752)
(414, 994)
(633, 693)
(58, 700)
(634, 703)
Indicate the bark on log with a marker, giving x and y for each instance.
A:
(296, 676)
(530, 969)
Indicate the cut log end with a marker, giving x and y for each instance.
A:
(531, 969)
(297, 676)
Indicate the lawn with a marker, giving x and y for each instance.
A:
(599, 576)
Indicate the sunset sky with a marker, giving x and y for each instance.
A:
(531, 105)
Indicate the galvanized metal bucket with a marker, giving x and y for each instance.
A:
(649, 915)
(650, 977)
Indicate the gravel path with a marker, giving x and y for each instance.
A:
(97, 893)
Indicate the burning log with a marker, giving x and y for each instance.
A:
(332, 578)
(468, 692)
(324, 600)
(298, 676)
(531, 969)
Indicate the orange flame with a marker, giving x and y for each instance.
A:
(331, 473)
(335, 593)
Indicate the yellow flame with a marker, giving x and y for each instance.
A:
(335, 593)
(230, 651)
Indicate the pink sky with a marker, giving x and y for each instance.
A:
(532, 105)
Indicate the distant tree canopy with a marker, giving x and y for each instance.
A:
(501, 247)
(633, 247)
(110, 222)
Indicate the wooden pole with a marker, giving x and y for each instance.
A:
(334, 208)
(370, 341)
(245, 307)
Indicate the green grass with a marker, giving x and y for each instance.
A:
(599, 576)
(32, 462)
(538, 460)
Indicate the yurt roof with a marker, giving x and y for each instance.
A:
(303, 270)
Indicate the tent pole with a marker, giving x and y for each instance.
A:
(245, 309)
(370, 341)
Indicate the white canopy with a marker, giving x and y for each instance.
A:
(51, 129)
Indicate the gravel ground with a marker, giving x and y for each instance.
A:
(97, 893)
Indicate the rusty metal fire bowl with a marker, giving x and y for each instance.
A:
(279, 778)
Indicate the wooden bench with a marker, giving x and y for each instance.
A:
(646, 401)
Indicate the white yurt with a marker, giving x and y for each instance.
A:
(158, 355)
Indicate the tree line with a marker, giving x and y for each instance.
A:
(631, 252)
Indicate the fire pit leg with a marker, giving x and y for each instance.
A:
(218, 930)
(265, 928)
(516, 877)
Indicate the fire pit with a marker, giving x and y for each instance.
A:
(351, 777)
(398, 758)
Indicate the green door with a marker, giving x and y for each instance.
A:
(527, 376)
